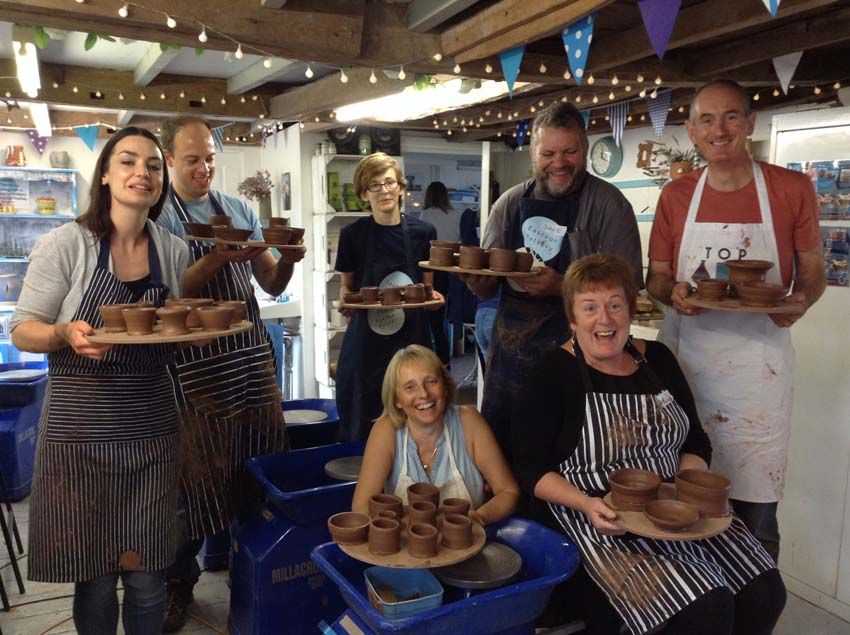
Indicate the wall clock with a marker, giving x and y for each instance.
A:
(606, 157)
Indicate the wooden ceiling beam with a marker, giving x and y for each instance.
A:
(424, 15)
(152, 64)
(256, 75)
(509, 23)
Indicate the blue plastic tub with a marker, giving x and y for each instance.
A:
(310, 435)
(16, 394)
(20, 411)
(548, 559)
(404, 584)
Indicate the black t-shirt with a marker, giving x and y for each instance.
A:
(549, 416)
(387, 244)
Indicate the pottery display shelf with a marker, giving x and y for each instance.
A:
(246, 243)
(102, 337)
(637, 523)
(403, 560)
(426, 264)
(403, 305)
(734, 305)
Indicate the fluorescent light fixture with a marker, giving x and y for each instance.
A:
(415, 104)
(41, 118)
(26, 59)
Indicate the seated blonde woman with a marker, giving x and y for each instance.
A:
(423, 437)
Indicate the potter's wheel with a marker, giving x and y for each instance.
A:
(345, 468)
(304, 416)
(496, 565)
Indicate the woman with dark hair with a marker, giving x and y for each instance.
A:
(104, 497)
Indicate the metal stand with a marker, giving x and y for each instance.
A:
(7, 537)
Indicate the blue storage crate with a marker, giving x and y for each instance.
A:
(15, 394)
(310, 435)
(404, 584)
(548, 558)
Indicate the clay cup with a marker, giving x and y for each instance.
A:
(524, 261)
(215, 318)
(423, 492)
(455, 506)
(113, 318)
(371, 295)
(712, 289)
(471, 257)
(671, 515)
(193, 303)
(221, 219)
(631, 489)
(139, 320)
(385, 502)
(353, 298)
(707, 491)
(441, 257)
(296, 236)
(277, 235)
(201, 230)
(384, 537)
(414, 293)
(349, 528)
(173, 319)
(422, 541)
(391, 296)
(240, 309)
(277, 221)
(457, 531)
(424, 512)
(502, 259)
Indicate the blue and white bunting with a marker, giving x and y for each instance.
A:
(577, 37)
(618, 113)
(88, 134)
(521, 132)
(218, 138)
(511, 59)
(658, 109)
(772, 6)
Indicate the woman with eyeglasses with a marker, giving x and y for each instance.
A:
(380, 250)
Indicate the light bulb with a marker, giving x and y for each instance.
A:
(438, 57)
(654, 93)
(223, 101)
(142, 97)
(488, 68)
(238, 54)
(301, 125)
(401, 73)
(578, 99)
(611, 95)
(567, 74)
(162, 95)
(595, 99)
(242, 99)
(756, 97)
(533, 109)
(309, 72)
(499, 115)
(253, 97)
(267, 62)
(776, 92)
(817, 90)
(607, 118)
(202, 36)
(639, 78)
(182, 94)
(120, 95)
(836, 85)
(591, 79)
(642, 93)
(464, 128)
(499, 134)
(658, 81)
(454, 119)
(170, 22)
(542, 68)
(615, 80)
(373, 79)
(627, 88)
(643, 117)
(55, 84)
(124, 11)
(317, 120)
(629, 118)
(75, 89)
(540, 103)
(203, 99)
(456, 69)
(449, 132)
(342, 76)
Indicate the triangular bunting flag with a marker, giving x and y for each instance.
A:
(585, 114)
(658, 109)
(511, 59)
(659, 17)
(38, 142)
(577, 38)
(785, 67)
(521, 132)
(772, 6)
(218, 138)
(618, 113)
(88, 134)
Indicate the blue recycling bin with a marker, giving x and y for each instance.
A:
(275, 586)
(20, 410)
(310, 435)
(548, 558)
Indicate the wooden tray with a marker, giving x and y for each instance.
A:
(244, 243)
(638, 524)
(102, 337)
(734, 305)
(425, 264)
(403, 305)
(403, 560)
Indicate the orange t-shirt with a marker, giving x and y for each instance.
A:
(792, 201)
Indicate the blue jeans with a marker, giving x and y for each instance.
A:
(485, 318)
(96, 604)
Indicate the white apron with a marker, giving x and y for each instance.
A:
(740, 366)
(455, 487)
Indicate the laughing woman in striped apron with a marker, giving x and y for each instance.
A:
(602, 402)
(104, 495)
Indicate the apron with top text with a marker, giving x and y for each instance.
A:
(373, 336)
(104, 496)
(647, 581)
(229, 400)
(740, 366)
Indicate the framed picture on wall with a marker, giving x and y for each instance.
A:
(286, 191)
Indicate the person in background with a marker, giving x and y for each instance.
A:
(383, 250)
(485, 310)
(423, 437)
(227, 392)
(104, 496)
(741, 368)
(560, 215)
(604, 401)
(438, 211)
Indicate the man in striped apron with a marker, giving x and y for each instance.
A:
(227, 393)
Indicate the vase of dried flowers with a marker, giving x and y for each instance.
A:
(259, 188)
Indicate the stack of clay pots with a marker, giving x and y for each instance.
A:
(743, 272)
(221, 226)
(391, 296)
(177, 317)
(448, 254)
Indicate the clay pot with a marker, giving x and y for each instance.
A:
(277, 235)
(429, 291)
(422, 541)
(353, 298)
(173, 319)
(761, 293)
(391, 296)
(215, 318)
(423, 512)
(502, 259)
(386, 513)
(455, 506)
(457, 531)
(385, 502)
(414, 292)
(524, 261)
(113, 318)
(471, 257)
(371, 295)
(744, 271)
(712, 289)
(441, 256)
(423, 492)
(707, 491)
(297, 235)
(139, 320)
(671, 515)
(240, 309)
(349, 528)
(221, 219)
(446, 244)
(384, 537)
(202, 230)
(231, 233)
(631, 489)
(193, 303)
(278, 222)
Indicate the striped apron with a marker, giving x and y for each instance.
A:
(104, 495)
(647, 581)
(229, 401)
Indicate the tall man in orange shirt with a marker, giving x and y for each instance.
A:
(739, 366)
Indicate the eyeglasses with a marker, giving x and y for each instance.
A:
(390, 184)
